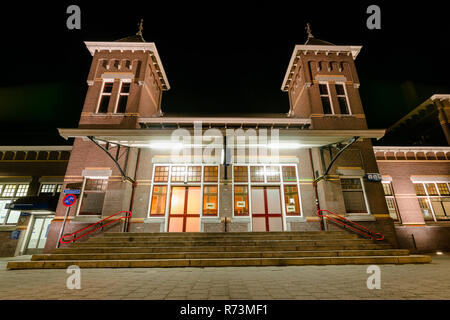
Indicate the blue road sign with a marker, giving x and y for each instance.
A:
(70, 191)
(69, 200)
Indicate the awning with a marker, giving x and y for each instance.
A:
(34, 203)
(145, 138)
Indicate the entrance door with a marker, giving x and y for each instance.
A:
(184, 212)
(39, 233)
(266, 209)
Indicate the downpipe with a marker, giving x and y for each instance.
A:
(133, 191)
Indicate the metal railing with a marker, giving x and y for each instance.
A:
(66, 238)
(348, 224)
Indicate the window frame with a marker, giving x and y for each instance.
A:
(345, 95)
(81, 197)
(120, 94)
(169, 184)
(11, 198)
(280, 183)
(55, 191)
(363, 189)
(427, 197)
(391, 197)
(329, 98)
(105, 81)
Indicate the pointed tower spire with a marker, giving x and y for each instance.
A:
(309, 31)
(140, 28)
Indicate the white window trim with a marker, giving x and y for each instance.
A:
(119, 94)
(428, 198)
(364, 194)
(106, 80)
(11, 199)
(280, 184)
(346, 97)
(184, 183)
(392, 196)
(80, 199)
(329, 97)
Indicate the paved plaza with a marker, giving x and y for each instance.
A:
(421, 281)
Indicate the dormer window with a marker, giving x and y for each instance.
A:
(123, 97)
(325, 97)
(105, 97)
(342, 99)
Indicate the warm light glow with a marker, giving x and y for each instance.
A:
(439, 253)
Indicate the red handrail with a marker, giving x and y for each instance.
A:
(369, 232)
(63, 240)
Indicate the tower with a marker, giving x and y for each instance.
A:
(126, 81)
(322, 84)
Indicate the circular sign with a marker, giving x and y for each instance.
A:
(69, 200)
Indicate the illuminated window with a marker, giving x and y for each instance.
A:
(123, 97)
(425, 207)
(194, 174)
(210, 174)
(273, 174)
(420, 190)
(431, 189)
(105, 97)
(9, 190)
(325, 97)
(289, 174)
(158, 206)
(291, 200)
(390, 200)
(257, 173)
(210, 200)
(178, 174)
(240, 174)
(387, 188)
(240, 200)
(9, 193)
(342, 99)
(48, 189)
(59, 188)
(161, 174)
(443, 189)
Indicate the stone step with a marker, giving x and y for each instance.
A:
(224, 238)
(107, 243)
(228, 234)
(216, 255)
(224, 262)
(148, 249)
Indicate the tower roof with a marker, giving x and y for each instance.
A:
(311, 41)
(313, 45)
(136, 37)
(317, 42)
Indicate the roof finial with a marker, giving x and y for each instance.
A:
(309, 31)
(141, 27)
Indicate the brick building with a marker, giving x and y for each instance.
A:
(31, 178)
(414, 161)
(258, 172)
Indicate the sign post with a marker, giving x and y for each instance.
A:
(68, 201)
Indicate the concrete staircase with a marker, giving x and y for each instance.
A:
(146, 250)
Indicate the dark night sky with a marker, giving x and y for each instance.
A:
(218, 56)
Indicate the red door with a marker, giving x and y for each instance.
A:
(184, 212)
(266, 209)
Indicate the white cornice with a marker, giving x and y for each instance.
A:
(440, 97)
(410, 149)
(94, 46)
(353, 50)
